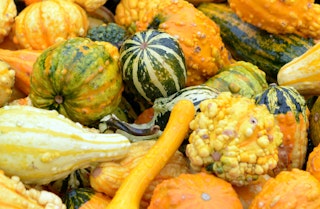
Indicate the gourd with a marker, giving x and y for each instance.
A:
(41, 146)
(292, 115)
(314, 120)
(21, 60)
(85, 198)
(273, 16)
(8, 12)
(198, 190)
(269, 52)
(73, 22)
(79, 78)
(241, 78)
(289, 189)
(303, 72)
(14, 194)
(313, 162)
(153, 65)
(7, 80)
(107, 177)
(89, 5)
(198, 36)
(131, 191)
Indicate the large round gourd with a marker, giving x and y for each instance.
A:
(79, 78)
(153, 65)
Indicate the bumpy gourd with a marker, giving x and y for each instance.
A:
(281, 16)
(234, 138)
(198, 36)
(8, 12)
(41, 146)
(7, 80)
(79, 78)
(54, 20)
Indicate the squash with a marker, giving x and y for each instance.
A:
(273, 16)
(292, 115)
(90, 5)
(48, 146)
(15, 195)
(303, 72)
(289, 189)
(199, 190)
(153, 65)
(107, 177)
(21, 61)
(7, 80)
(269, 52)
(134, 185)
(198, 36)
(313, 165)
(241, 78)
(79, 78)
(8, 12)
(314, 120)
(43, 15)
(85, 198)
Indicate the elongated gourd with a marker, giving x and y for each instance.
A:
(303, 72)
(41, 146)
(132, 188)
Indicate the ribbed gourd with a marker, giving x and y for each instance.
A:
(7, 81)
(292, 115)
(241, 78)
(153, 65)
(79, 78)
(41, 146)
(268, 51)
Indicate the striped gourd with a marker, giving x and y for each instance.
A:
(291, 114)
(153, 65)
(41, 146)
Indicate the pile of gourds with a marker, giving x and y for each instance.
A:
(159, 104)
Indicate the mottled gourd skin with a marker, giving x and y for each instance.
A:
(234, 138)
(281, 16)
(79, 78)
(7, 80)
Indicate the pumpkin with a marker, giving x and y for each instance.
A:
(135, 184)
(108, 176)
(7, 80)
(241, 78)
(268, 51)
(292, 115)
(79, 78)
(21, 60)
(273, 16)
(85, 198)
(198, 36)
(314, 120)
(8, 12)
(48, 146)
(55, 20)
(153, 65)
(14, 194)
(234, 138)
(289, 189)
(303, 73)
(199, 190)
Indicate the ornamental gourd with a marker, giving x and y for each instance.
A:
(314, 128)
(8, 12)
(79, 78)
(292, 115)
(153, 65)
(7, 80)
(54, 20)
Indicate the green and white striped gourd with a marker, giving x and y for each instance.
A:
(41, 146)
(153, 65)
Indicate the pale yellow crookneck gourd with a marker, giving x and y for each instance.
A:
(41, 145)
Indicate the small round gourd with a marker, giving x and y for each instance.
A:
(153, 65)
(8, 11)
(315, 122)
(79, 78)
(7, 80)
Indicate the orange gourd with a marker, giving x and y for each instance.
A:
(54, 20)
(8, 11)
(289, 189)
(22, 62)
(199, 190)
(313, 163)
